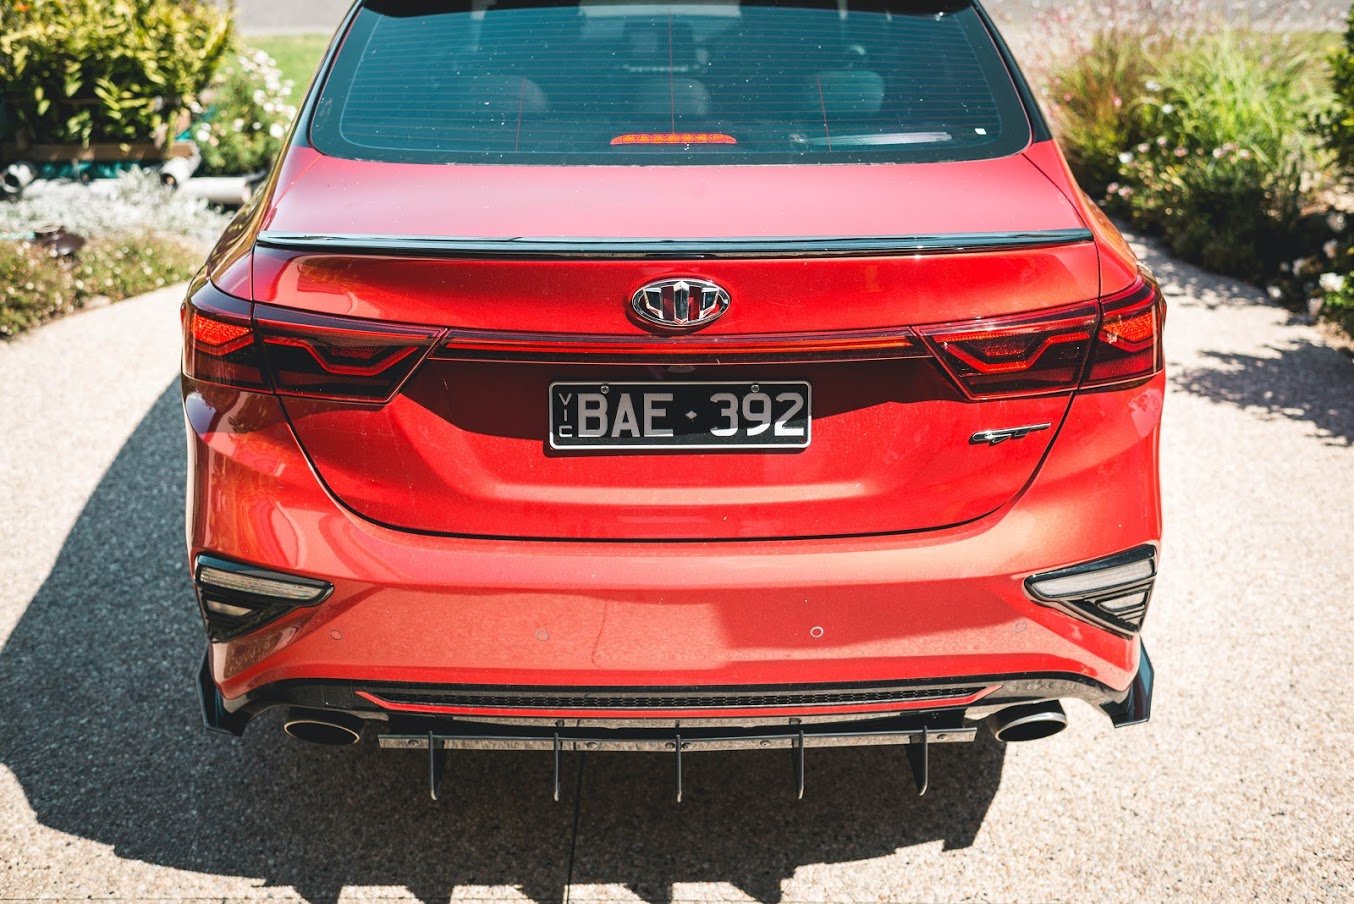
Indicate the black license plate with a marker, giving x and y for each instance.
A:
(680, 415)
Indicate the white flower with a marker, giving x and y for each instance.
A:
(1153, 86)
(276, 130)
(1331, 282)
(1125, 157)
(1168, 109)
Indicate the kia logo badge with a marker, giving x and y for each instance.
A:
(680, 304)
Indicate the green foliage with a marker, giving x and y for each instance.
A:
(1094, 100)
(1227, 177)
(119, 268)
(81, 71)
(297, 56)
(248, 116)
(1339, 121)
(33, 287)
(36, 286)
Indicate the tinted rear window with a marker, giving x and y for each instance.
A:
(722, 81)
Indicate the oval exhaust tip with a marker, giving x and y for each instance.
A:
(1028, 721)
(329, 729)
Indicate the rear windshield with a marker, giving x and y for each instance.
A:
(605, 82)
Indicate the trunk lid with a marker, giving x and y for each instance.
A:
(463, 448)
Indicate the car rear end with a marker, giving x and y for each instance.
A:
(672, 377)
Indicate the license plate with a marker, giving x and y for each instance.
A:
(680, 415)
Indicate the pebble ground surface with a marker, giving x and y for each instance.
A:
(1239, 788)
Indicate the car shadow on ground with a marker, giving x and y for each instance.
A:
(101, 728)
(1301, 381)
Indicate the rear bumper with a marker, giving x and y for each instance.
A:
(884, 613)
(944, 722)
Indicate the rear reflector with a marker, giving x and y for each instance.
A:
(338, 357)
(1112, 592)
(238, 598)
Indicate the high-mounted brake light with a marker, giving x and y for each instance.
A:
(669, 138)
(338, 357)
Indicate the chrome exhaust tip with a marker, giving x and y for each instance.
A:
(332, 729)
(1027, 721)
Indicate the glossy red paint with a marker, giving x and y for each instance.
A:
(463, 550)
(442, 610)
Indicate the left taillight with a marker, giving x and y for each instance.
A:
(339, 357)
(230, 341)
(218, 340)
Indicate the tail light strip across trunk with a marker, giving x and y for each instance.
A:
(1114, 342)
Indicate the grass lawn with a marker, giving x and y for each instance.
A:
(298, 56)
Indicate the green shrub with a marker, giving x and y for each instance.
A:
(119, 268)
(1339, 121)
(33, 287)
(1229, 176)
(36, 286)
(1094, 98)
(107, 70)
(248, 115)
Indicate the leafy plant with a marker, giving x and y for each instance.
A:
(1339, 120)
(248, 114)
(33, 287)
(1095, 98)
(80, 71)
(119, 268)
(1229, 175)
(133, 203)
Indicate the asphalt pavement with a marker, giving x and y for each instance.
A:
(1239, 788)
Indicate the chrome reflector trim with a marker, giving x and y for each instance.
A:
(1111, 593)
(667, 249)
(237, 598)
(258, 586)
(217, 607)
(1090, 582)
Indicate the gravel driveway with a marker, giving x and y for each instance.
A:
(1240, 787)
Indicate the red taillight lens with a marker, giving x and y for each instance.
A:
(1025, 355)
(338, 357)
(218, 340)
(1128, 343)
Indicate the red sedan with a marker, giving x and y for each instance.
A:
(674, 377)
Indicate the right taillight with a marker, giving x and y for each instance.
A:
(1115, 342)
(1031, 354)
(1128, 342)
